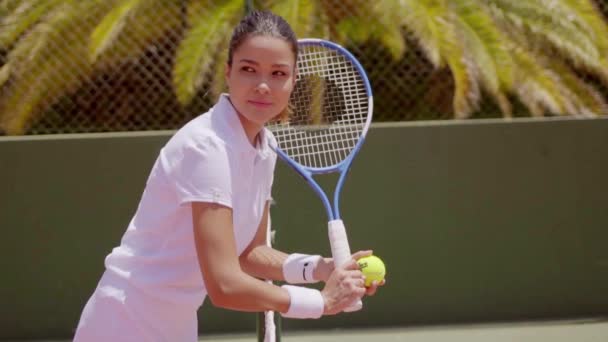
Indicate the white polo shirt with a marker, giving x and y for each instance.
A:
(209, 160)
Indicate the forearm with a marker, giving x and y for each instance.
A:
(228, 285)
(267, 263)
(242, 292)
(264, 262)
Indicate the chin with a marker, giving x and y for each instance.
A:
(261, 118)
(257, 119)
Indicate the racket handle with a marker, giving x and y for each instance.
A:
(340, 251)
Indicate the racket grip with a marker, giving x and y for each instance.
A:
(340, 251)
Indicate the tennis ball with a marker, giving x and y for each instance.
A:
(372, 268)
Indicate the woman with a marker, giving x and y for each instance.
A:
(200, 227)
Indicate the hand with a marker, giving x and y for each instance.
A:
(326, 266)
(323, 270)
(344, 286)
(371, 290)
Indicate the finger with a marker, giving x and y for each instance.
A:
(356, 284)
(371, 290)
(355, 274)
(330, 263)
(345, 277)
(351, 265)
(354, 296)
(360, 282)
(361, 254)
(359, 292)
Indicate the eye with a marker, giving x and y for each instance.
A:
(247, 69)
(279, 73)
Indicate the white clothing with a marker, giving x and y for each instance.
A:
(209, 160)
(118, 312)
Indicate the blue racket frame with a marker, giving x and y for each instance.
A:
(343, 167)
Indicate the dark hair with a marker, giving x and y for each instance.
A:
(262, 23)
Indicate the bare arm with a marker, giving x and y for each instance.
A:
(260, 260)
(227, 284)
(230, 287)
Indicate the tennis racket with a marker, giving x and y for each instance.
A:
(330, 113)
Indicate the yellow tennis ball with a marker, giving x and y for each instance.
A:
(372, 268)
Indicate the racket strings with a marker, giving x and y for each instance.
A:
(329, 109)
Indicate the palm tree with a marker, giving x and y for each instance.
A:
(513, 51)
(523, 49)
(56, 46)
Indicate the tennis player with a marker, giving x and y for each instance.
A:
(200, 227)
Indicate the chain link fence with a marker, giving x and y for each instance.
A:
(115, 65)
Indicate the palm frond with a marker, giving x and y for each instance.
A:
(5, 72)
(353, 29)
(389, 30)
(21, 17)
(466, 91)
(130, 27)
(358, 26)
(441, 34)
(556, 26)
(425, 19)
(7, 6)
(111, 26)
(587, 100)
(196, 52)
(300, 14)
(308, 18)
(43, 69)
(592, 20)
(393, 40)
(538, 86)
(334, 13)
(485, 44)
(375, 20)
(218, 79)
(597, 28)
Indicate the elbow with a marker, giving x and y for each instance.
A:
(218, 299)
(222, 294)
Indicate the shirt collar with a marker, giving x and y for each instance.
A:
(228, 114)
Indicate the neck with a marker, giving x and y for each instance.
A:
(252, 130)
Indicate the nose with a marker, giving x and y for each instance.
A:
(262, 87)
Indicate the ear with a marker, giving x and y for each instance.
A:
(227, 72)
(294, 78)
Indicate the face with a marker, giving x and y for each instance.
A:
(261, 78)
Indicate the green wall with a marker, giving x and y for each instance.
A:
(476, 221)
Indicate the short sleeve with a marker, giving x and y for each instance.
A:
(201, 173)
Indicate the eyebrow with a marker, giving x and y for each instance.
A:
(250, 61)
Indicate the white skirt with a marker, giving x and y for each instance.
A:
(118, 312)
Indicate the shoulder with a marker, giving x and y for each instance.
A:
(197, 143)
(201, 132)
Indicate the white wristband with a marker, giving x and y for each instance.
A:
(304, 302)
(299, 268)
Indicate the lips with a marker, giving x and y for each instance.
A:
(259, 103)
